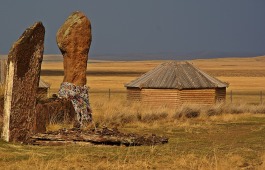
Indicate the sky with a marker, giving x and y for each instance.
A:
(120, 27)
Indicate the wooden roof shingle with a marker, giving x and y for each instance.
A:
(176, 75)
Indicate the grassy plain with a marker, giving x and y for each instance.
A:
(246, 76)
(194, 144)
(228, 136)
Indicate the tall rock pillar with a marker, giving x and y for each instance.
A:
(74, 39)
(23, 74)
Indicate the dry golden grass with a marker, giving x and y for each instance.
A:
(246, 74)
(123, 72)
(225, 141)
(183, 161)
(241, 73)
(217, 137)
(229, 136)
(252, 63)
(119, 112)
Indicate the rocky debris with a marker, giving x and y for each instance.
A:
(74, 39)
(103, 136)
(23, 74)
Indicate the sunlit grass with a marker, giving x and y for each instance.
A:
(194, 143)
(228, 136)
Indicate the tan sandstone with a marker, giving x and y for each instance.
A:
(74, 39)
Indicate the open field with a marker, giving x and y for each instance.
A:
(246, 76)
(228, 136)
(241, 73)
(224, 141)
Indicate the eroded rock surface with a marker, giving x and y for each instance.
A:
(74, 39)
(23, 74)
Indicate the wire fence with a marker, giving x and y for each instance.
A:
(246, 96)
(232, 96)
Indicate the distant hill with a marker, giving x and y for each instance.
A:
(174, 56)
(157, 56)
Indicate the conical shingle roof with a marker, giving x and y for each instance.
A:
(176, 75)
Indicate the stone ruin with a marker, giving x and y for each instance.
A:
(25, 119)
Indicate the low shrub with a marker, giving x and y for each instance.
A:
(154, 116)
(188, 111)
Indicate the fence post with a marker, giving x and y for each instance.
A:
(231, 96)
(261, 97)
(109, 94)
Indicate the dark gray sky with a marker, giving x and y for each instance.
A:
(145, 26)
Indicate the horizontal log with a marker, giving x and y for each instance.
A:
(59, 143)
(197, 98)
(160, 93)
(197, 101)
(197, 94)
(104, 136)
(203, 95)
(202, 100)
(159, 97)
(159, 102)
(210, 99)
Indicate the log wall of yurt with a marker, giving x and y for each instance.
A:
(198, 96)
(133, 94)
(220, 94)
(175, 83)
(161, 97)
(175, 97)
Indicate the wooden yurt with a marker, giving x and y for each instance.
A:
(176, 83)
